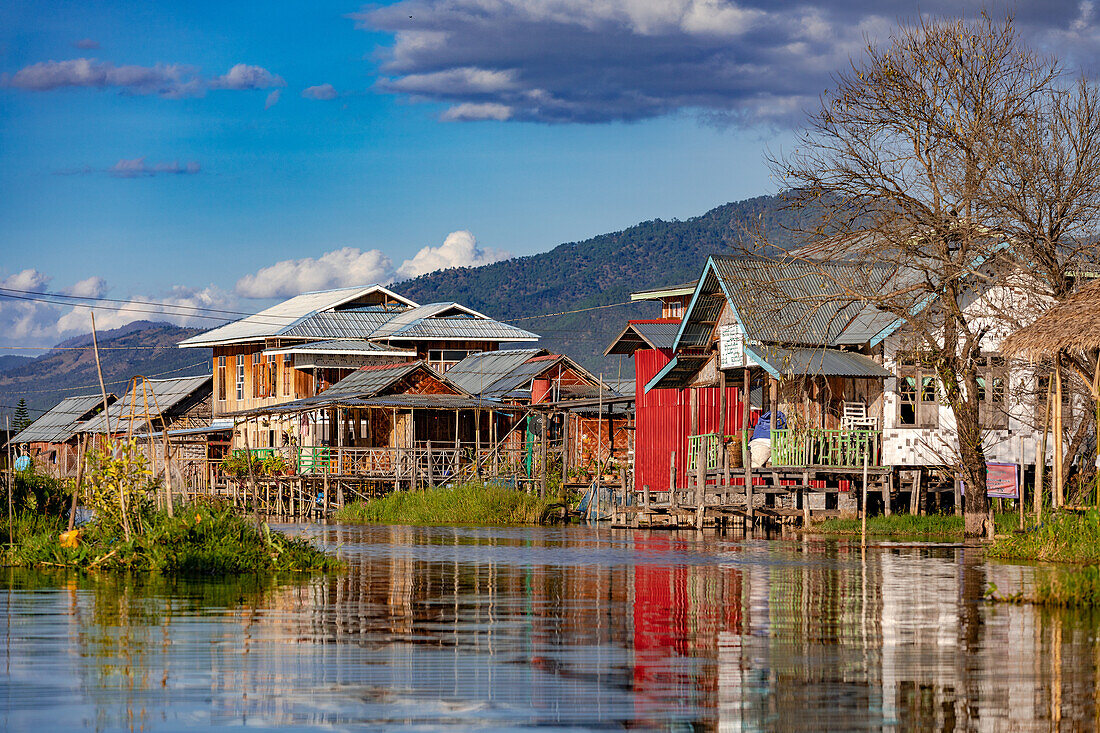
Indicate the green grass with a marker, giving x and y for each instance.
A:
(908, 525)
(470, 503)
(1065, 537)
(199, 540)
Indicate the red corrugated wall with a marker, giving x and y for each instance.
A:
(664, 421)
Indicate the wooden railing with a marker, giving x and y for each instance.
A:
(819, 447)
(711, 446)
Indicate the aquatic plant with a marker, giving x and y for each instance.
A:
(1066, 537)
(945, 525)
(197, 540)
(474, 502)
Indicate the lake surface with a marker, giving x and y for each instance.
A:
(557, 629)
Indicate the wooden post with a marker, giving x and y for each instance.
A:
(252, 479)
(672, 481)
(1058, 497)
(863, 524)
(339, 441)
(477, 443)
(887, 485)
(805, 495)
(496, 448)
(645, 497)
(564, 447)
(542, 455)
(10, 482)
(746, 456)
(81, 441)
(958, 497)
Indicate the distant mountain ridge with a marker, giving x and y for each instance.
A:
(143, 347)
(603, 270)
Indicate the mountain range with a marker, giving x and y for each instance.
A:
(575, 276)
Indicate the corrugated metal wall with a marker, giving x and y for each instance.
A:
(664, 421)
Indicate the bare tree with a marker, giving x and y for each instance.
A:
(949, 159)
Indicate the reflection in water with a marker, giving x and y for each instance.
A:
(566, 628)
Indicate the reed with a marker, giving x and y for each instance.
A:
(1066, 537)
(475, 503)
(931, 525)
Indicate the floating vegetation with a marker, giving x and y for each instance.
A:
(470, 503)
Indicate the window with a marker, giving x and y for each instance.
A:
(240, 376)
(221, 378)
(992, 382)
(288, 379)
(443, 359)
(257, 374)
(673, 309)
(918, 396)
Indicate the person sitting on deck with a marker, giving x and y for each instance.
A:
(760, 447)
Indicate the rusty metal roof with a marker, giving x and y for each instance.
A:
(61, 421)
(165, 394)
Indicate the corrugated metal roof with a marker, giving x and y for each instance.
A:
(342, 346)
(466, 329)
(651, 334)
(165, 394)
(796, 302)
(665, 291)
(369, 381)
(61, 421)
(479, 372)
(270, 321)
(799, 361)
(347, 324)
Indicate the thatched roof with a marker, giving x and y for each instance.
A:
(1073, 325)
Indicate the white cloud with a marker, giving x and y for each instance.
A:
(321, 91)
(476, 111)
(137, 168)
(38, 323)
(179, 306)
(459, 249)
(273, 99)
(349, 266)
(340, 268)
(92, 287)
(173, 81)
(244, 76)
(86, 44)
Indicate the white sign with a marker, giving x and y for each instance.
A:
(731, 347)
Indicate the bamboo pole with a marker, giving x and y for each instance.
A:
(10, 482)
(746, 455)
(80, 442)
(252, 479)
(1059, 488)
(107, 418)
(863, 523)
(1041, 457)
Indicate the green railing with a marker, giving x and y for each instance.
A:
(818, 447)
(318, 459)
(711, 443)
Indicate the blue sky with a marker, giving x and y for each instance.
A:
(166, 151)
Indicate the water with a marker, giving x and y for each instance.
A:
(553, 628)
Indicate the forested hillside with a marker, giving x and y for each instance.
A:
(601, 270)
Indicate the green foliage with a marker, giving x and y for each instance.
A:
(119, 488)
(26, 524)
(34, 493)
(22, 419)
(197, 540)
(237, 464)
(1063, 537)
(471, 503)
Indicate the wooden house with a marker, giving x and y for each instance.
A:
(300, 347)
(567, 407)
(52, 440)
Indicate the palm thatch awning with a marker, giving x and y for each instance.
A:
(1072, 325)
